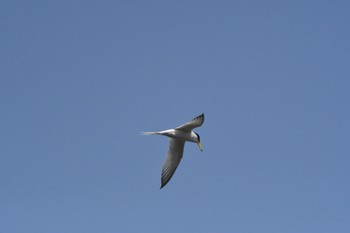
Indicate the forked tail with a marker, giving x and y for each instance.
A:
(149, 133)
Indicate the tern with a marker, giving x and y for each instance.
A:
(178, 137)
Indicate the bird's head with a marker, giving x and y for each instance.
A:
(198, 141)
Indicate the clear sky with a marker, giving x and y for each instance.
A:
(79, 81)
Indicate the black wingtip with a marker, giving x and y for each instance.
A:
(164, 183)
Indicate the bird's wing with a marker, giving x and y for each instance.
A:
(194, 123)
(172, 160)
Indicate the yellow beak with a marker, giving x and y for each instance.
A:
(199, 145)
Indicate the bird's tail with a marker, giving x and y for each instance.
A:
(149, 133)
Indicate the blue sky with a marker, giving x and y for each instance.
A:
(79, 80)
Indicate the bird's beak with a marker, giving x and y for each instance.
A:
(199, 145)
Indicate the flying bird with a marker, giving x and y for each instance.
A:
(178, 137)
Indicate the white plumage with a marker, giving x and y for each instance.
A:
(178, 137)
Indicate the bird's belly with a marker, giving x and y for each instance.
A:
(178, 134)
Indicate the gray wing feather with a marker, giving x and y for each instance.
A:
(172, 160)
(194, 123)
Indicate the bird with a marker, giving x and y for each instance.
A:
(178, 137)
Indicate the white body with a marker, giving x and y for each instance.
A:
(178, 134)
(178, 137)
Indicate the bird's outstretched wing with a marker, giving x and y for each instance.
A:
(172, 160)
(194, 123)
